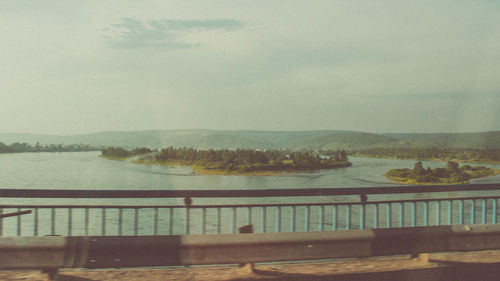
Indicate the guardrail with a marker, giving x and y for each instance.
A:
(174, 250)
(323, 209)
(215, 193)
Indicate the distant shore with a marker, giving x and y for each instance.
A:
(471, 161)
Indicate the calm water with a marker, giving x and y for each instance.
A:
(85, 170)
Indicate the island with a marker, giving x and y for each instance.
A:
(452, 174)
(232, 162)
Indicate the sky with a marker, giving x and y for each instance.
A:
(74, 67)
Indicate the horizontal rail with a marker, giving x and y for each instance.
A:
(176, 250)
(208, 193)
(241, 205)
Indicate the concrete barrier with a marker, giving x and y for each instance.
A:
(48, 252)
(133, 251)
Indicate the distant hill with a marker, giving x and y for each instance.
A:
(453, 140)
(204, 139)
(348, 140)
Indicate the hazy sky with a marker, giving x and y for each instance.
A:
(69, 67)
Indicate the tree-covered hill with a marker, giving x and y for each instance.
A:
(481, 140)
(348, 140)
(219, 139)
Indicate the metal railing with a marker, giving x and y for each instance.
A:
(318, 210)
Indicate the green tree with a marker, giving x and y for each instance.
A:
(418, 169)
(452, 167)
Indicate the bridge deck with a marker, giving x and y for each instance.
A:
(479, 266)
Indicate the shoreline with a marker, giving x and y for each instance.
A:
(414, 182)
(201, 170)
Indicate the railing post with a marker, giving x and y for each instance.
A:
(170, 221)
(35, 223)
(362, 211)
(449, 212)
(120, 221)
(233, 221)
(438, 212)
(218, 220)
(203, 220)
(334, 217)
(264, 216)
(187, 201)
(249, 215)
(494, 211)
(1, 222)
(103, 221)
(401, 214)
(18, 222)
(278, 219)
(70, 221)
(321, 217)
(483, 211)
(86, 221)
(136, 221)
(413, 214)
(348, 217)
(307, 215)
(472, 211)
(389, 215)
(426, 213)
(155, 222)
(53, 221)
(461, 212)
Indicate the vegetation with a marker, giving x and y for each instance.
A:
(240, 161)
(480, 140)
(120, 153)
(462, 154)
(25, 147)
(279, 140)
(452, 174)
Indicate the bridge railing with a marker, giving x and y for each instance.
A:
(276, 210)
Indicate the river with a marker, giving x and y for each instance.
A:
(85, 170)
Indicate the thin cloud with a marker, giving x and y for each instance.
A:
(163, 34)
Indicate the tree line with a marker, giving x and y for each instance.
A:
(242, 160)
(465, 154)
(25, 147)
